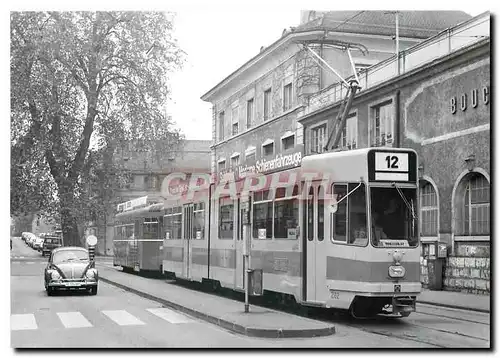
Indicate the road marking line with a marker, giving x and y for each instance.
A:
(73, 320)
(170, 315)
(19, 322)
(122, 318)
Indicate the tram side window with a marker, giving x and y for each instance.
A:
(262, 216)
(150, 228)
(348, 224)
(172, 223)
(199, 221)
(226, 218)
(338, 220)
(286, 214)
(129, 232)
(118, 233)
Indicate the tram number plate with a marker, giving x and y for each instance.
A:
(334, 294)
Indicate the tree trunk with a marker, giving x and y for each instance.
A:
(69, 228)
(69, 225)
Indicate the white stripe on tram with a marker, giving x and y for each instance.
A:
(170, 315)
(73, 320)
(122, 318)
(19, 322)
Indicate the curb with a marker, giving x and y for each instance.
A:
(235, 327)
(455, 306)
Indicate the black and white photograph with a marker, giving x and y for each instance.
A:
(237, 175)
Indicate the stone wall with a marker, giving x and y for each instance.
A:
(469, 269)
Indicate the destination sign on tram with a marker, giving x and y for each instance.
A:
(393, 166)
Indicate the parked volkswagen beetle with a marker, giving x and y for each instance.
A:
(69, 268)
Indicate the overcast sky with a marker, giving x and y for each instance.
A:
(219, 39)
(221, 35)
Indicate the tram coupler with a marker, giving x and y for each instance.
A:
(403, 305)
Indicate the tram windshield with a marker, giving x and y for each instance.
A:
(394, 219)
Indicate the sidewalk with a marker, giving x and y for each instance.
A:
(224, 312)
(466, 301)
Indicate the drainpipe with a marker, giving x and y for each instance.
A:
(398, 120)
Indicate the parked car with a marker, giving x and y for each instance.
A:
(69, 268)
(50, 243)
(37, 243)
(31, 240)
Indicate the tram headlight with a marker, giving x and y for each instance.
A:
(396, 271)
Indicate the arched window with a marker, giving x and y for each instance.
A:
(472, 203)
(429, 214)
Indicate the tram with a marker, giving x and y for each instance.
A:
(340, 230)
(137, 237)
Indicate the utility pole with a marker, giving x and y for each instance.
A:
(397, 39)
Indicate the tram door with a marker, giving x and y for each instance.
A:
(240, 263)
(314, 244)
(188, 234)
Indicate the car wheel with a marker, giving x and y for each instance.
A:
(93, 290)
(50, 291)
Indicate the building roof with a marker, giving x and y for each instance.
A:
(414, 24)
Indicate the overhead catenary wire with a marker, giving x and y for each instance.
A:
(349, 19)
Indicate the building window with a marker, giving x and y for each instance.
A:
(428, 210)
(226, 218)
(235, 161)
(249, 113)
(288, 142)
(267, 104)
(318, 139)
(221, 126)
(250, 155)
(268, 149)
(235, 128)
(222, 165)
(474, 218)
(172, 223)
(350, 133)
(287, 97)
(234, 115)
(151, 182)
(382, 124)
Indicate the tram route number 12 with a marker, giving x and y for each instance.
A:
(392, 162)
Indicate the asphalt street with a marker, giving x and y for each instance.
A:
(119, 319)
